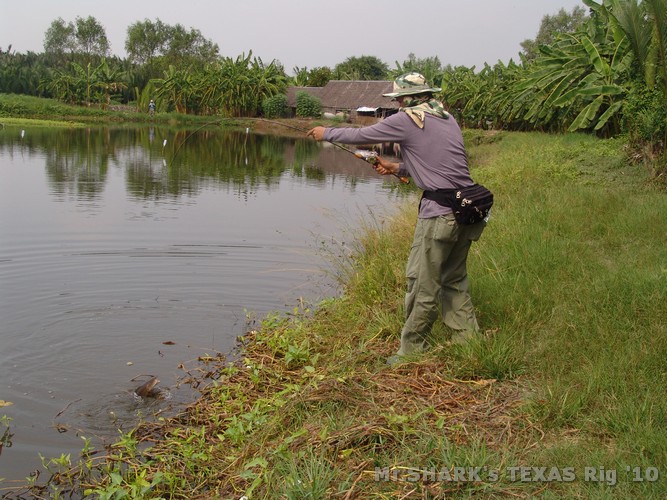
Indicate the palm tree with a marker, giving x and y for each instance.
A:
(644, 24)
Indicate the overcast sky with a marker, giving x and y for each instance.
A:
(307, 33)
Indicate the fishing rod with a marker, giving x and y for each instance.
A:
(368, 156)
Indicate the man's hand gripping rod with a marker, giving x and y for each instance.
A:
(372, 158)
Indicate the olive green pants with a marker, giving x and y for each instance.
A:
(437, 280)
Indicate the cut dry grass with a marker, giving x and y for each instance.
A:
(353, 418)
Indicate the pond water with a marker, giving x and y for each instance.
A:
(131, 252)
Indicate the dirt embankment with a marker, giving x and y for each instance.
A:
(290, 127)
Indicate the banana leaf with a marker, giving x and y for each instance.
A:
(584, 119)
(600, 65)
(609, 113)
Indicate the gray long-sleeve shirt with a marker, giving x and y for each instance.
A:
(434, 156)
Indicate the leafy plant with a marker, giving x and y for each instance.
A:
(361, 68)
(275, 107)
(645, 116)
(307, 105)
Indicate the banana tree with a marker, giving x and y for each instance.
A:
(459, 86)
(62, 86)
(602, 89)
(108, 81)
(233, 81)
(491, 102)
(267, 81)
(243, 83)
(300, 78)
(582, 79)
(175, 88)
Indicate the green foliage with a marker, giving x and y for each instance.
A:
(91, 38)
(12, 105)
(644, 25)
(243, 84)
(22, 73)
(231, 87)
(307, 105)
(495, 358)
(430, 67)
(578, 78)
(307, 475)
(159, 45)
(577, 75)
(86, 84)
(275, 107)
(480, 100)
(361, 68)
(300, 78)
(551, 26)
(188, 47)
(645, 115)
(146, 40)
(319, 77)
(578, 82)
(86, 36)
(59, 38)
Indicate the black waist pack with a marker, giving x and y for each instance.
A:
(470, 204)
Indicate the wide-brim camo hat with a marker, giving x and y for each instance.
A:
(410, 84)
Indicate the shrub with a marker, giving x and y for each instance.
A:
(275, 107)
(645, 121)
(645, 115)
(307, 105)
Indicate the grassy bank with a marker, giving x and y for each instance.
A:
(17, 109)
(564, 396)
(31, 111)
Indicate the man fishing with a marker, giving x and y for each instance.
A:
(433, 154)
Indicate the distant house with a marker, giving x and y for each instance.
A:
(355, 98)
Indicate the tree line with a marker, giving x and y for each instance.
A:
(602, 69)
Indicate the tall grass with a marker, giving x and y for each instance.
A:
(569, 280)
(574, 269)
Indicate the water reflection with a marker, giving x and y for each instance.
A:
(171, 163)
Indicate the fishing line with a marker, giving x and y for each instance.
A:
(369, 158)
(207, 124)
